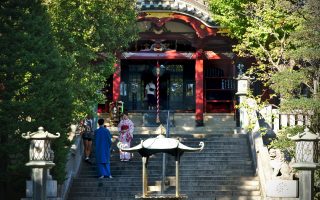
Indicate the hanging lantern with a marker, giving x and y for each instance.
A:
(158, 70)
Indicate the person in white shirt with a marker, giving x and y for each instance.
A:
(150, 92)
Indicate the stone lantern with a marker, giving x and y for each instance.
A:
(160, 144)
(243, 85)
(242, 93)
(307, 160)
(41, 160)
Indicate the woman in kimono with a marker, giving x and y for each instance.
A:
(125, 128)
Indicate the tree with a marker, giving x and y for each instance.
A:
(262, 29)
(306, 51)
(33, 91)
(284, 39)
(55, 57)
(271, 32)
(91, 32)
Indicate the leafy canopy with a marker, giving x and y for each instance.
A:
(55, 57)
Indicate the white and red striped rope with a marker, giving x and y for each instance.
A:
(158, 94)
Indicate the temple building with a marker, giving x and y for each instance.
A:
(197, 68)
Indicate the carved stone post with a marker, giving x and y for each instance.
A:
(307, 160)
(41, 160)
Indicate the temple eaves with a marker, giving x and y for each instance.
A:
(195, 8)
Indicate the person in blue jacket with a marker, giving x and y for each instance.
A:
(103, 145)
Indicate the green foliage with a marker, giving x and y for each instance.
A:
(306, 51)
(55, 57)
(230, 14)
(288, 82)
(283, 36)
(282, 141)
(306, 38)
(91, 32)
(280, 35)
(251, 105)
(317, 184)
(34, 91)
(262, 29)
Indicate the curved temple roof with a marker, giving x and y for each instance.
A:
(161, 144)
(196, 8)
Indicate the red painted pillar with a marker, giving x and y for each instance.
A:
(116, 81)
(199, 89)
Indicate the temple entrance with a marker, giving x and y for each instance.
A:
(176, 84)
(149, 74)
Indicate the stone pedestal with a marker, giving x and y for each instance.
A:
(282, 188)
(51, 189)
(306, 184)
(39, 175)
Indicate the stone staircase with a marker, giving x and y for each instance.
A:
(222, 171)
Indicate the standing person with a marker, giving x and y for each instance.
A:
(87, 136)
(150, 92)
(125, 128)
(103, 144)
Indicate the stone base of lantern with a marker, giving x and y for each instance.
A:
(282, 188)
(51, 190)
(162, 196)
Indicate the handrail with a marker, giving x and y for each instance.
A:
(74, 159)
(164, 158)
(273, 120)
(149, 118)
(168, 125)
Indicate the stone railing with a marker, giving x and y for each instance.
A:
(276, 121)
(273, 121)
(74, 159)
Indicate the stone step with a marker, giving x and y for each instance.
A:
(191, 137)
(108, 193)
(204, 154)
(157, 187)
(223, 197)
(185, 129)
(136, 181)
(233, 198)
(242, 172)
(184, 165)
(222, 170)
(195, 166)
(136, 176)
(195, 136)
(194, 194)
(213, 150)
(217, 140)
(171, 163)
(195, 158)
